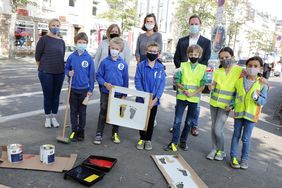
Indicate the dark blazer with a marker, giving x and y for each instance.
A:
(180, 54)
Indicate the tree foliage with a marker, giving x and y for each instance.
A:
(205, 9)
(260, 40)
(123, 11)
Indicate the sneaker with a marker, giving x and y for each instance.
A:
(171, 146)
(155, 123)
(140, 144)
(183, 146)
(98, 140)
(211, 155)
(74, 136)
(148, 145)
(48, 122)
(234, 163)
(55, 122)
(220, 155)
(244, 165)
(80, 135)
(116, 139)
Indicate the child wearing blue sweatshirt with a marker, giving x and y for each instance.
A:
(150, 77)
(113, 71)
(80, 66)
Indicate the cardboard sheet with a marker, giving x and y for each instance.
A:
(3, 186)
(178, 172)
(32, 162)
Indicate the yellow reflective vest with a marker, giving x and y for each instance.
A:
(223, 93)
(191, 80)
(245, 106)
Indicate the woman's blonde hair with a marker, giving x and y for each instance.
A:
(54, 20)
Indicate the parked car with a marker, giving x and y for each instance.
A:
(167, 57)
(242, 63)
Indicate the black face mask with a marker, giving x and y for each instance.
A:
(152, 57)
(194, 59)
(113, 35)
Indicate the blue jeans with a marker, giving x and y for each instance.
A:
(247, 127)
(189, 123)
(51, 86)
(196, 118)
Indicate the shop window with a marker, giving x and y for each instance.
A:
(24, 33)
(71, 3)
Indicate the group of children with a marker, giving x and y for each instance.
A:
(113, 71)
(233, 89)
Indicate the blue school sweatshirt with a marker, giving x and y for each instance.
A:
(150, 80)
(83, 67)
(112, 71)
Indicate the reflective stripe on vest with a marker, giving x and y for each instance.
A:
(191, 81)
(245, 106)
(223, 92)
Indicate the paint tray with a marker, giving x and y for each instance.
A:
(99, 162)
(85, 175)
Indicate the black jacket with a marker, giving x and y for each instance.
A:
(181, 50)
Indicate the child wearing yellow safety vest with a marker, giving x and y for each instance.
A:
(190, 81)
(251, 95)
(224, 80)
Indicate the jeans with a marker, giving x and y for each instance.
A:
(147, 135)
(189, 123)
(197, 114)
(77, 109)
(218, 118)
(103, 115)
(51, 85)
(247, 127)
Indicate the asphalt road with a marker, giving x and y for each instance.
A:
(22, 121)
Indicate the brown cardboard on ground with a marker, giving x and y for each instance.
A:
(32, 162)
(196, 179)
(3, 186)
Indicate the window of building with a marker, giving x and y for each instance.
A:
(71, 3)
(94, 8)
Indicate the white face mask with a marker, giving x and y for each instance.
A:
(252, 71)
(149, 27)
(114, 53)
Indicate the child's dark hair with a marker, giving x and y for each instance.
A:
(255, 58)
(227, 49)
(81, 36)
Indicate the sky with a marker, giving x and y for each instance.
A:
(274, 7)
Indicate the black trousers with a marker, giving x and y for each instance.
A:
(77, 109)
(147, 135)
(103, 115)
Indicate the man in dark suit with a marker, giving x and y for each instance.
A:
(180, 55)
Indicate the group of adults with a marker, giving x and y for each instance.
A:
(50, 51)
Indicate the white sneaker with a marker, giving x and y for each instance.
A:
(211, 155)
(48, 122)
(55, 122)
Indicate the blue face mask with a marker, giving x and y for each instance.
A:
(55, 30)
(194, 29)
(81, 47)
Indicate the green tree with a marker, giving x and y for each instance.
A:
(260, 41)
(123, 11)
(15, 4)
(236, 13)
(205, 9)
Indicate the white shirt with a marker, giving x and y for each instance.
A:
(193, 40)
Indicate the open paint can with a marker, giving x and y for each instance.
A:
(47, 154)
(15, 153)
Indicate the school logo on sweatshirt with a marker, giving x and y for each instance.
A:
(84, 64)
(158, 74)
(121, 66)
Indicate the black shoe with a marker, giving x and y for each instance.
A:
(183, 146)
(171, 146)
(80, 136)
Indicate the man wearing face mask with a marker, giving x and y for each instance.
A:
(180, 55)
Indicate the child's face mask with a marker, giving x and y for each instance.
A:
(252, 71)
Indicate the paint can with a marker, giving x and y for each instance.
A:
(15, 153)
(47, 154)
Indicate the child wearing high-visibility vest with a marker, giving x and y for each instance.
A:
(190, 81)
(251, 95)
(224, 80)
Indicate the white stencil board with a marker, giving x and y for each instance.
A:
(177, 172)
(134, 115)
